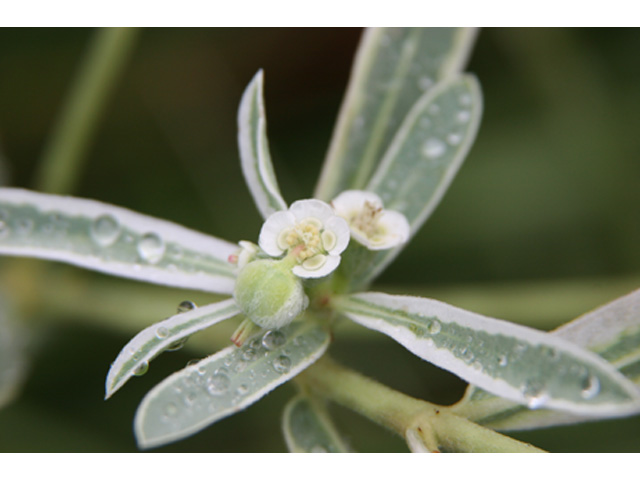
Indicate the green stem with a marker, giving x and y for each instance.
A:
(60, 164)
(399, 412)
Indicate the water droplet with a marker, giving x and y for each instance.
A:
(190, 398)
(503, 361)
(467, 355)
(590, 387)
(282, 364)
(534, 393)
(433, 148)
(218, 384)
(186, 306)
(177, 345)
(141, 369)
(170, 409)
(105, 230)
(273, 339)
(454, 139)
(463, 116)
(162, 332)
(434, 327)
(425, 83)
(249, 354)
(24, 226)
(151, 247)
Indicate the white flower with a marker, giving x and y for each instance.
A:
(310, 233)
(371, 225)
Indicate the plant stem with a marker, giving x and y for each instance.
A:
(59, 169)
(399, 412)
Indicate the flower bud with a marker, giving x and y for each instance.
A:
(269, 294)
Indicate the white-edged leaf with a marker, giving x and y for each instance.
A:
(227, 382)
(521, 364)
(424, 157)
(153, 340)
(254, 150)
(13, 364)
(308, 429)
(612, 331)
(392, 69)
(112, 240)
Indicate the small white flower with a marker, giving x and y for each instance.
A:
(371, 225)
(310, 233)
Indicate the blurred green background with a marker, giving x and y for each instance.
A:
(541, 224)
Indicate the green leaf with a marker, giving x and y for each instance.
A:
(392, 69)
(612, 331)
(521, 364)
(254, 150)
(13, 364)
(113, 240)
(150, 342)
(308, 429)
(227, 382)
(422, 161)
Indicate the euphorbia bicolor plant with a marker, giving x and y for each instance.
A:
(408, 121)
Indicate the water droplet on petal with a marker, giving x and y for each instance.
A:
(433, 148)
(186, 306)
(249, 354)
(242, 389)
(218, 384)
(141, 369)
(534, 393)
(282, 364)
(590, 387)
(151, 247)
(177, 345)
(105, 230)
(273, 339)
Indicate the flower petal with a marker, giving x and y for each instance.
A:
(271, 229)
(340, 228)
(311, 208)
(350, 202)
(331, 263)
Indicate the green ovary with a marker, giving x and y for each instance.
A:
(269, 294)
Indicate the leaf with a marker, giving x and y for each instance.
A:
(524, 365)
(153, 340)
(112, 240)
(308, 429)
(425, 155)
(612, 331)
(254, 150)
(13, 364)
(225, 383)
(392, 69)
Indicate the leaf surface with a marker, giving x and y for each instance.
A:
(113, 240)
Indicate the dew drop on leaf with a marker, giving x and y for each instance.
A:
(273, 339)
(463, 116)
(282, 364)
(590, 387)
(186, 306)
(433, 148)
(162, 332)
(434, 327)
(141, 369)
(503, 361)
(151, 247)
(218, 384)
(105, 230)
(177, 345)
